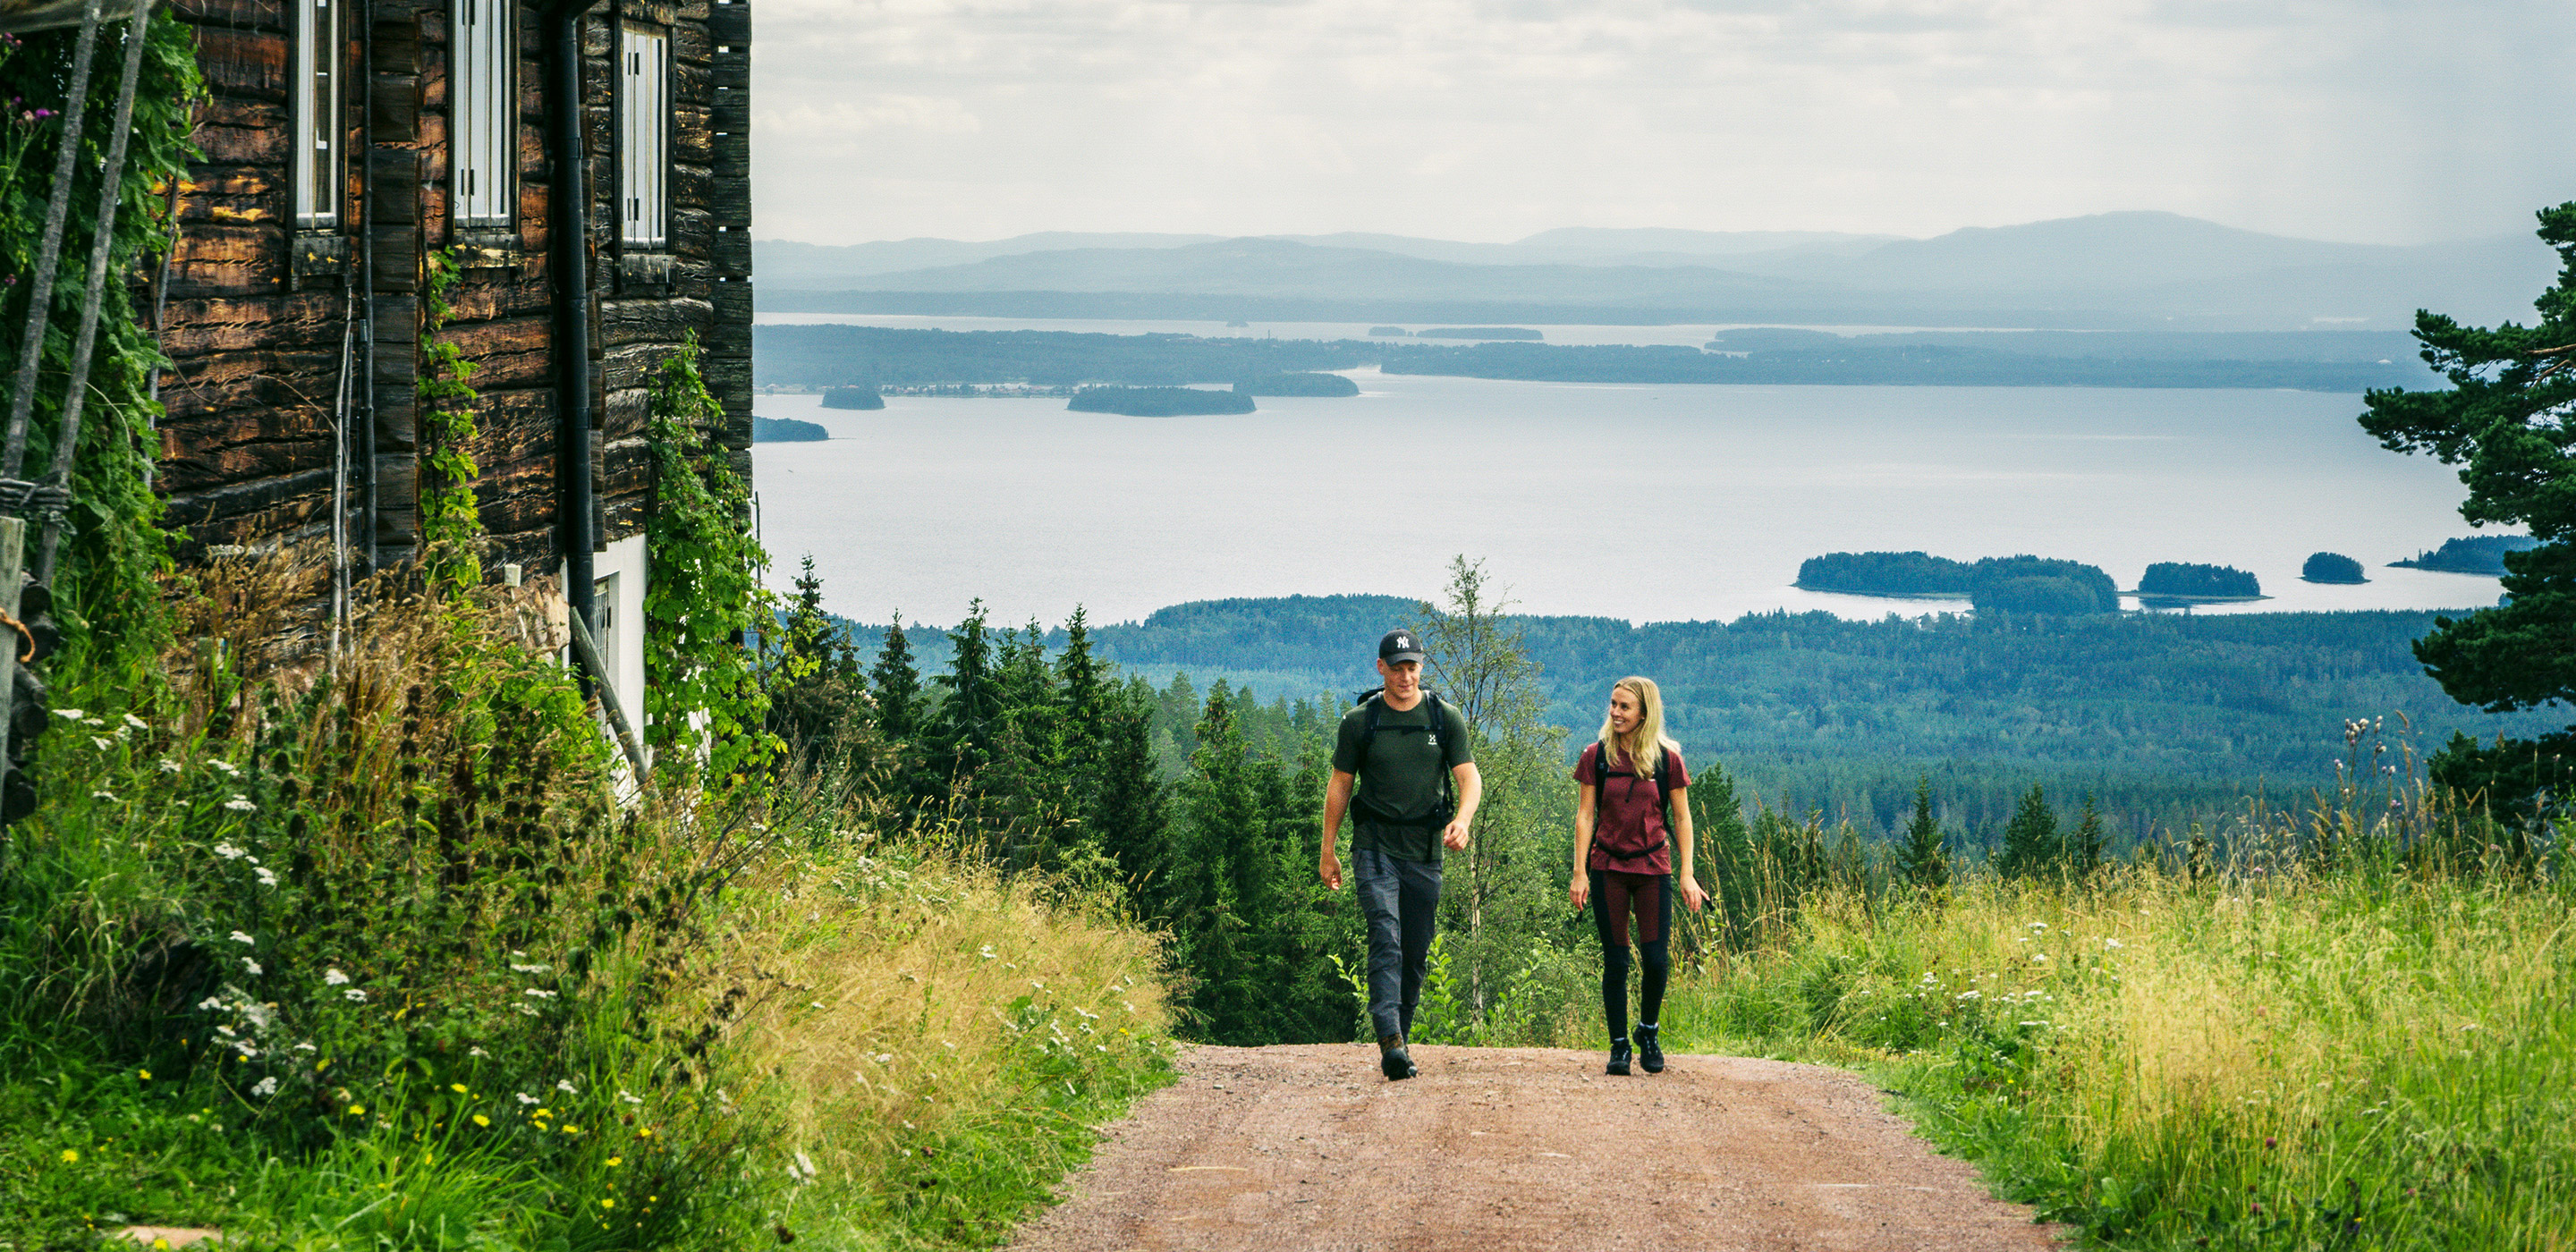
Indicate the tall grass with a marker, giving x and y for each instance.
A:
(361, 948)
(2314, 1044)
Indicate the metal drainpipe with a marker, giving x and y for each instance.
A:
(567, 226)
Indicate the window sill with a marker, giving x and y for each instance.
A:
(320, 254)
(646, 272)
(486, 247)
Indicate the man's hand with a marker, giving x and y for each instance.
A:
(1692, 896)
(1329, 868)
(1580, 890)
(1454, 836)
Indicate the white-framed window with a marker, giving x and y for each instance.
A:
(483, 106)
(644, 137)
(318, 133)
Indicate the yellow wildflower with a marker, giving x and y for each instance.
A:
(457, 1087)
(145, 1074)
(481, 1120)
(615, 1161)
(357, 1110)
(70, 1157)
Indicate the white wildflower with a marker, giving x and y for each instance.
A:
(102, 741)
(241, 937)
(528, 969)
(211, 1003)
(267, 1086)
(538, 993)
(2113, 943)
(354, 995)
(629, 1097)
(476, 1051)
(226, 1032)
(229, 852)
(241, 804)
(267, 877)
(987, 953)
(885, 1058)
(565, 1086)
(306, 1047)
(524, 1097)
(100, 722)
(252, 966)
(1967, 995)
(70, 714)
(136, 723)
(527, 1010)
(226, 768)
(258, 1013)
(108, 796)
(334, 978)
(169, 766)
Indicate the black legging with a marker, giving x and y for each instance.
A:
(1650, 897)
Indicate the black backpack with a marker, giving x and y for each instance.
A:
(1448, 806)
(1663, 799)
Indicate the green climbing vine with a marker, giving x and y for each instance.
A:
(703, 597)
(105, 590)
(450, 519)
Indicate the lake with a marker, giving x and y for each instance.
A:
(1650, 503)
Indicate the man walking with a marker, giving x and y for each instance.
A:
(1407, 747)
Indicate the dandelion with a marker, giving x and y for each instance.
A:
(571, 1129)
(267, 1087)
(615, 1161)
(481, 1120)
(334, 978)
(457, 1087)
(241, 804)
(144, 1074)
(606, 1204)
(70, 1157)
(357, 1110)
(354, 996)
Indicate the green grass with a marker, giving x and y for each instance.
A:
(2363, 1059)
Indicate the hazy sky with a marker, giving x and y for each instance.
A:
(2362, 120)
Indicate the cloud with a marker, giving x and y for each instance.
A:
(2359, 119)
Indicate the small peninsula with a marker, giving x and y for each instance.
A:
(786, 430)
(852, 398)
(1158, 401)
(1298, 385)
(2474, 554)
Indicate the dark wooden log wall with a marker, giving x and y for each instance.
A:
(247, 443)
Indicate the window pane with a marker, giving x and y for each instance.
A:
(484, 99)
(316, 106)
(644, 119)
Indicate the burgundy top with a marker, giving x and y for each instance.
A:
(1626, 815)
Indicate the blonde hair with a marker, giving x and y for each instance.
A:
(1649, 732)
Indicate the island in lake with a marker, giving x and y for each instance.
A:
(787, 430)
(2475, 554)
(2009, 584)
(2169, 583)
(2332, 567)
(1158, 401)
(1298, 385)
(1390, 332)
(852, 398)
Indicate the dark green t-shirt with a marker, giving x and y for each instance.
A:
(1402, 777)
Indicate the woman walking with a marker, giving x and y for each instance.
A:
(1629, 813)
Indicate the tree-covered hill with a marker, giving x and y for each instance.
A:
(2158, 714)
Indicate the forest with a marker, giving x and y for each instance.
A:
(835, 355)
(2008, 584)
(2162, 717)
(2184, 580)
(2473, 554)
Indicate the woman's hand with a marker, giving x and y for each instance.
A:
(1580, 890)
(1692, 896)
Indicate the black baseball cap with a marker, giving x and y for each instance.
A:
(1398, 646)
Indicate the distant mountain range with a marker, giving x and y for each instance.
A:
(2112, 271)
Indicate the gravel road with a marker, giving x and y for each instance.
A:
(1507, 1148)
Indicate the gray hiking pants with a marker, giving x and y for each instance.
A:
(1400, 899)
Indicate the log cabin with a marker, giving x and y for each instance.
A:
(583, 165)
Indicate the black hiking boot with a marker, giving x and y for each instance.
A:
(1392, 1060)
(1618, 1058)
(1650, 1048)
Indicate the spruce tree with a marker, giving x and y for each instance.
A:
(2084, 846)
(1129, 809)
(1924, 857)
(2031, 843)
(960, 734)
(897, 687)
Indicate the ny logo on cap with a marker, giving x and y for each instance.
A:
(1403, 642)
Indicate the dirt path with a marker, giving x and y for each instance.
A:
(1491, 1150)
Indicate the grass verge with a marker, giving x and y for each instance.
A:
(2359, 1059)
